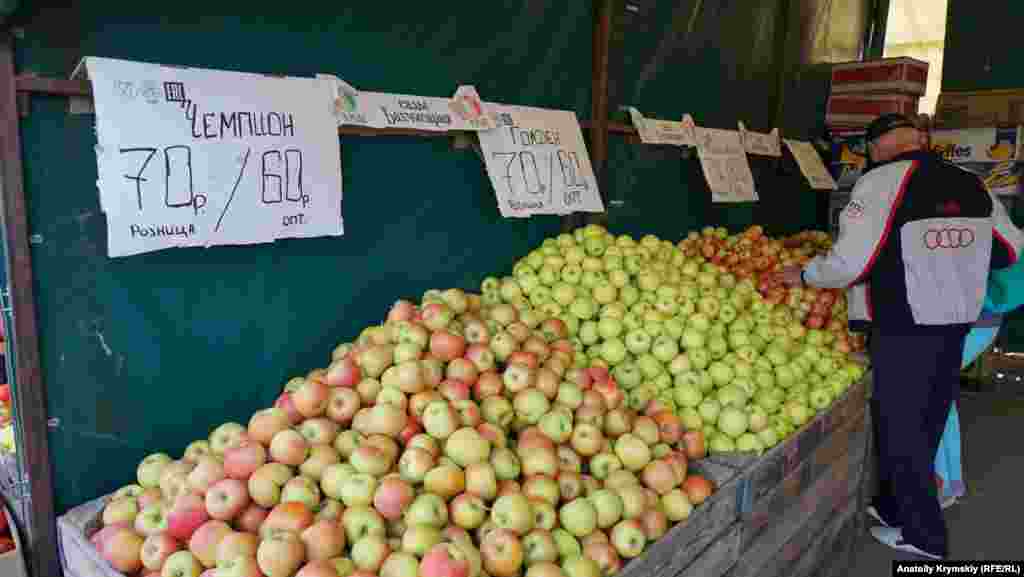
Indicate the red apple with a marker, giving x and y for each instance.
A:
(123, 550)
(206, 539)
(324, 540)
(185, 516)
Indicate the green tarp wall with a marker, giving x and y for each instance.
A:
(979, 56)
(150, 352)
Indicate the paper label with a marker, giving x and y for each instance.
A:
(810, 164)
(194, 157)
(538, 163)
(464, 111)
(760, 143)
(724, 162)
(653, 131)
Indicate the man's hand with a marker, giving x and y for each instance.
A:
(791, 276)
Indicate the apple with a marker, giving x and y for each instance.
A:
(539, 547)
(632, 451)
(568, 546)
(208, 470)
(239, 566)
(197, 449)
(380, 419)
(391, 498)
(608, 505)
(123, 510)
(427, 509)
(676, 505)
(466, 447)
(185, 516)
(570, 485)
(292, 517)
(440, 420)
(235, 545)
(502, 553)
(251, 518)
(539, 461)
(289, 447)
(579, 517)
(242, 461)
(342, 405)
(204, 542)
(489, 384)
(323, 540)
(370, 460)
(468, 511)
(281, 553)
(697, 489)
(604, 464)
(544, 514)
(319, 431)
(587, 439)
(151, 468)
(543, 488)
(628, 538)
(156, 549)
(580, 566)
(445, 480)
(356, 489)
(634, 501)
(226, 499)
(152, 520)
(369, 553)
(181, 564)
(445, 560)
(570, 395)
(330, 510)
(418, 539)
(320, 457)
(655, 524)
(506, 464)
(568, 460)
(347, 441)
(415, 463)
(513, 512)
(605, 556)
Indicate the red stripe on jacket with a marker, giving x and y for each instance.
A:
(1006, 244)
(888, 223)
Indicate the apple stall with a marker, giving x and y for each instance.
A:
(510, 349)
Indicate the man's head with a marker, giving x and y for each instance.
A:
(890, 135)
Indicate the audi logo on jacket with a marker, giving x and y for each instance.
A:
(916, 244)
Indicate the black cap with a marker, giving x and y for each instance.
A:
(886, 123)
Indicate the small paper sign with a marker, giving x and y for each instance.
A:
(653, 131)
(538, 162)
(761, 143)
(810, 164)
(464, 111)
(724, 161)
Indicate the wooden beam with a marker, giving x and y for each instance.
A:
(29, 389)
(598, 103)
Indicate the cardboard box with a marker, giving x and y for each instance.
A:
(994, 154)
(980, 109)
(888, 75)
(858, 110)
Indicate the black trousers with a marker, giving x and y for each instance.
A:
(916, 379)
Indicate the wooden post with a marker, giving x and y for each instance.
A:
(599, 99)
(29, 391)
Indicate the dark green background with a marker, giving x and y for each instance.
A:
(149, 352)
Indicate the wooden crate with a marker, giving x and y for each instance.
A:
(689, 542)
(837, 559)
(780, 525)
(829, 550)
(717, 559)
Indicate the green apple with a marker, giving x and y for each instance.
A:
(578, 517)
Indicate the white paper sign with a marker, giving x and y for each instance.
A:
(761, 143)
(810, 164)
(724, 161)
(538, 162)
(653, 131)
(463, 111)
(193, 157)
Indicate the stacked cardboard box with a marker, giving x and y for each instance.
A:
(861, 91)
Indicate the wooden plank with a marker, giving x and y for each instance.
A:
(29, 389)
(830, 548)
(688, 539)
(718, 558)
(838, 484)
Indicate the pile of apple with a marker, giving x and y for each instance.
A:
(459, 438)
(682, 333)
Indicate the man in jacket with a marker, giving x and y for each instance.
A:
(915, 246)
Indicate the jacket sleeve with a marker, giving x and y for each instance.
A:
(1007, 239)
(864, 227)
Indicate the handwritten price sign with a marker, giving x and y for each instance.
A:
(192, 157)
(538, 162)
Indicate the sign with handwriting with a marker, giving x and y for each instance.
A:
(194, 157)
(538, 162)
(760, 143)
(463, 111)
(724, 161)
(653, 131)
(810, 164)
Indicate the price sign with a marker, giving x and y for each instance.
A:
(724, 161)
(193, 157)
(538, 162)
(810, 164)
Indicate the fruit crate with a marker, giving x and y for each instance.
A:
(707, 542)
(696, 542)
(783, 525)
(763, 473)
(78, 556)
